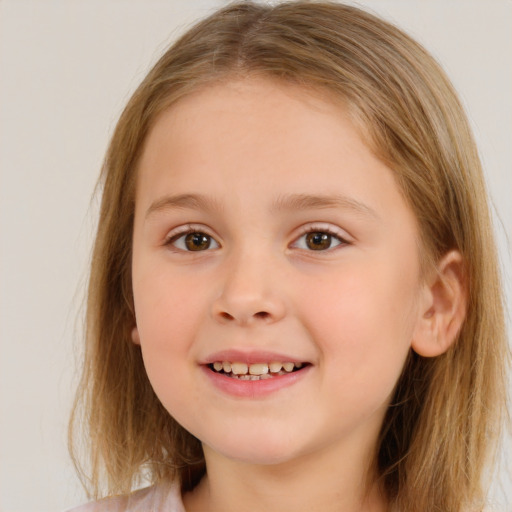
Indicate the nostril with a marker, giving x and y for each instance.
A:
(262, 315)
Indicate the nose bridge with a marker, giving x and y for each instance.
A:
(250, 290)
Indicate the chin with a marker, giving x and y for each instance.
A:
(258, 450)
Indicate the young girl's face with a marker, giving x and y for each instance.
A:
(266, 232)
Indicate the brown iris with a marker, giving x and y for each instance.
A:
(318, 241)
(197, 241)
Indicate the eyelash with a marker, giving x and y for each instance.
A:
(313, 229)
(189, 229)
(322, 229)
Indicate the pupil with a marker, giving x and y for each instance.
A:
(197, 241)
(318, 241)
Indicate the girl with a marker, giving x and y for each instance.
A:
(294, 301)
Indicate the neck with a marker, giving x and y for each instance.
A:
(329, 481)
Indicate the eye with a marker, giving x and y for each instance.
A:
(193, 241)
(317, 240)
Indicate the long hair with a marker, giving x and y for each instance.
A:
(442, 426)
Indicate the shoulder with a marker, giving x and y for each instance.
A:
(151, 499)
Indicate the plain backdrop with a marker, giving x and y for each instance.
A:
(67, 67)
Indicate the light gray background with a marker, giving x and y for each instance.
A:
(66, 69)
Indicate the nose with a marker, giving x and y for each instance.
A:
(249, 293)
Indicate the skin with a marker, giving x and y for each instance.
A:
(352, 311)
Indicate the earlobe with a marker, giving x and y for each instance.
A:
(443, 308)
(135, 336)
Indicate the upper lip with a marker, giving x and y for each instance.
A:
(250, 357)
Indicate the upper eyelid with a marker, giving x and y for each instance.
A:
(189, 228)
(324, 227)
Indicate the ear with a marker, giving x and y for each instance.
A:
(443, 307)
(135, 336)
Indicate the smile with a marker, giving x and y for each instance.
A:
(255, 371)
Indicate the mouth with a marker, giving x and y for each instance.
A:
(254, 374)
(255, 371)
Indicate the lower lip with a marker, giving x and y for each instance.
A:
(254, 388)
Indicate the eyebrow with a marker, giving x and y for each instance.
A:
(183, 202)
(312, 202)
(288, 202)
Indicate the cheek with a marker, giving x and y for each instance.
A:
(166, 311)
(167, 323)
(165, 307)
(363, 321)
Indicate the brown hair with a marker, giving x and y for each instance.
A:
(441, 429)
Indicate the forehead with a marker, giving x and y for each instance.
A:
(256, 104)
(252, 121)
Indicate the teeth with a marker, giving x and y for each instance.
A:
(253, 377)
(255, 371)
(288, 367)
(258, 369)
(275, 367)
(239, 368)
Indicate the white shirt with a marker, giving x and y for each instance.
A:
(158, 498)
